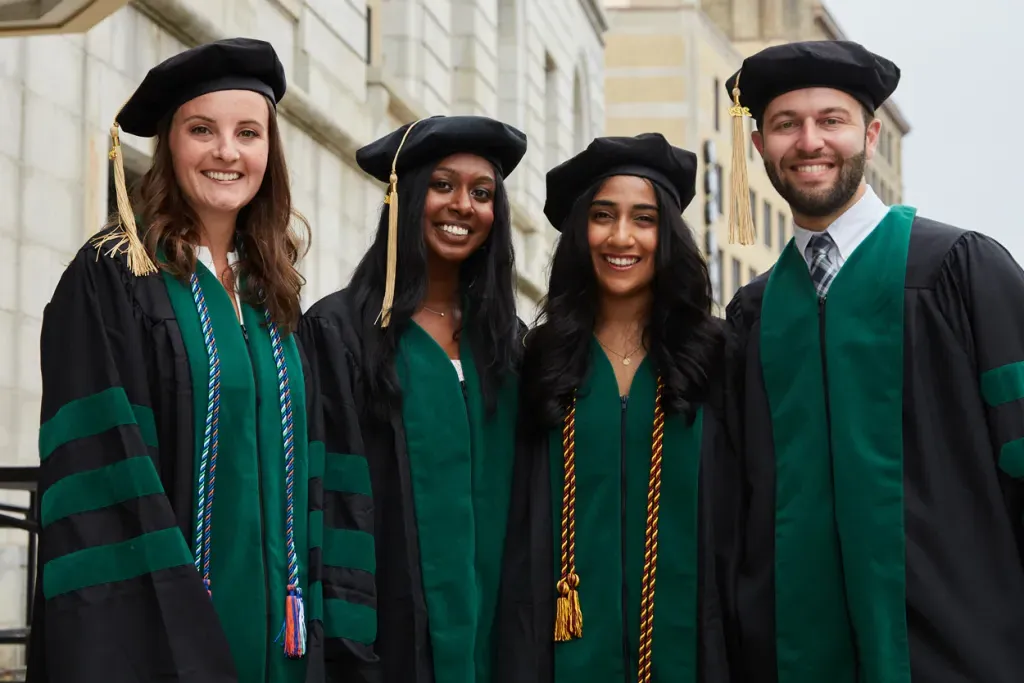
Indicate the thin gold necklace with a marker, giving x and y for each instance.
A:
(625, 359)
(440, 313)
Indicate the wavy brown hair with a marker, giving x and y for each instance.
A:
(268, 246)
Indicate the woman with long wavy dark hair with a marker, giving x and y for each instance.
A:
(618, 436)
(180, 437)
(417, 358)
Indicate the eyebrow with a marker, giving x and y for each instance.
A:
(607, 202)
(789, 113)
(207, 119)
(481, 177)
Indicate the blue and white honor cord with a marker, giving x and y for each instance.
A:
(294, 627)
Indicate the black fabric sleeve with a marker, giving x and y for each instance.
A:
(526, 607)
(729, 507)
(348, 555)
(720, 511)
(981, 290)
(119, 599)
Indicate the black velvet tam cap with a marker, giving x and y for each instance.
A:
(648, 155)
(233, 64)
(838, 64)
(432, 139)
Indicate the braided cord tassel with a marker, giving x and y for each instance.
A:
(294, 615)
(568, 615)
(651, 544)
(208, 458)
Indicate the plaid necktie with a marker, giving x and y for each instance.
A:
(821, 254)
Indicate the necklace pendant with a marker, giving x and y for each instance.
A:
(625, 361)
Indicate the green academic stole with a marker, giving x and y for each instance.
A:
(833, 373)
(249, 573)
(605, 505)
(460, 461)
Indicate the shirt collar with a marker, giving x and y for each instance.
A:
(204, 256)
(847, 230)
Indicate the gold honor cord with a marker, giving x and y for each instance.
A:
(651, 545)
(568, 615)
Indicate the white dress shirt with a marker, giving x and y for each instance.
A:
(849, 230)
(204, 256)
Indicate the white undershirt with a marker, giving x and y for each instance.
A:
(850, 229)
(458, 369)
(204, 256)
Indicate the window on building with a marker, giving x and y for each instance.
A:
(721, 189)
(510, 68)
(552, 156)
(578, 120)
(737, 273)
(718, 104)
(782, 231)
(766, 227)
(753, 208)
(753, 275)
(369, 34)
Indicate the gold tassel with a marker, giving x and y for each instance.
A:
(741, 223)
(126, 236)
(562, 614)
(568, 615)
(391, 199)
(575, 613)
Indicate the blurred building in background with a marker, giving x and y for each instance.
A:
(666, 64)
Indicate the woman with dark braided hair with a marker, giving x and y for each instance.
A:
(609, 572)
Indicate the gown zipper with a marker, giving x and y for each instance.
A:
(263, 520)
(824, 370)
(626, 650)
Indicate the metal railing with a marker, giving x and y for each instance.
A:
(26, 519)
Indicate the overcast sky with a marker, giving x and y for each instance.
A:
(964, 157)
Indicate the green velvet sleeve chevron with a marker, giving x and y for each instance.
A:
(993, 287)
(342, 530)
(118, 590)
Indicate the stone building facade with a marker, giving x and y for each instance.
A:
(356, 69)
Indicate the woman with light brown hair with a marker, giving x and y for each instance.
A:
(181, 455)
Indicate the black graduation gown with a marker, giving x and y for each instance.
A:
(118, 597)
(881, 447)
(440, 473)
(613, 456)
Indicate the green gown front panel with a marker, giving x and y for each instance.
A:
(248, 565)
(833, 374)
(612, 479)
(460, 461)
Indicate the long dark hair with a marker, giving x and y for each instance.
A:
(486, 280)
(271, 236)
(683, 339)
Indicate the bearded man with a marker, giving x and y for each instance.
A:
(877, 406)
